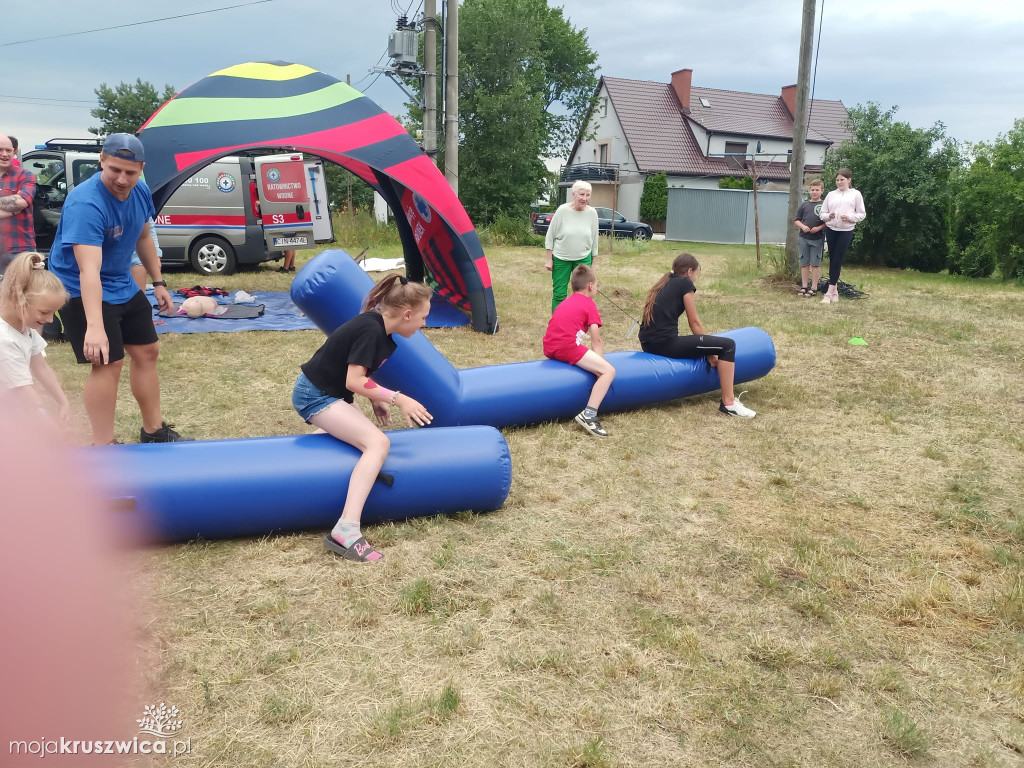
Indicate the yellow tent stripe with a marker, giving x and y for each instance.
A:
(198, 110)
(256, 70)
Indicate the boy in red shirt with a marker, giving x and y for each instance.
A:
(573, 318)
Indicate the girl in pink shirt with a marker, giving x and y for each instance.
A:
(842, 209)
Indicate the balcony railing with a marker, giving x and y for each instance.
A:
(588, 172)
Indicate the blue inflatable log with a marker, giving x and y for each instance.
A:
(219, 488)
(331, 288)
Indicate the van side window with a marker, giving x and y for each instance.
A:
(83, 169)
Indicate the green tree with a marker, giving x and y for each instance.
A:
(341, 184)
(904, 175)
(654, 200)
(988, 216)
(124, 109)
(526, 78)
(736, 182)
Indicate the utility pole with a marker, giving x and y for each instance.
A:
(796, 170)
(451, 95)
(430, 79)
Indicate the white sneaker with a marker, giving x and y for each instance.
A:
(736, 409)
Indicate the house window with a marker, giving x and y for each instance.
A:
(704, 102)
(735, 148)
(602, 156)
(604, 107)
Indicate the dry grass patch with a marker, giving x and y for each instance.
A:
(838, 582)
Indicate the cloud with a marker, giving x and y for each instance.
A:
(937, 60)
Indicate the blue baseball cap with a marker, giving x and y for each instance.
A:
(124, 146)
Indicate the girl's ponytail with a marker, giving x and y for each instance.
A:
(26, 279)
(682, 264)
(396, 292)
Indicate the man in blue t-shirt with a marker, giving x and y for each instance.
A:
(104, 220)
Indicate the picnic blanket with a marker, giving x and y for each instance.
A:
(280, 314)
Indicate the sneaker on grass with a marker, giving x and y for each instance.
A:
(165, 434)
(736, 409)
(593, 426)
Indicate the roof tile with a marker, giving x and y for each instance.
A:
(660, 139)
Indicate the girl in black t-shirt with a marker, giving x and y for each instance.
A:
(669, 298)
(324, 394)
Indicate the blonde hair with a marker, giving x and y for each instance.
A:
(396, 292)
(26, 280)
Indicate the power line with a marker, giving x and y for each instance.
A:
(47, 98)
(136, 23)
(47, 104)
(817, 49)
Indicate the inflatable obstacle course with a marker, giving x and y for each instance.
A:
(331, 288)
(214, 489)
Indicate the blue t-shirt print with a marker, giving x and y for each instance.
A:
(93, 216)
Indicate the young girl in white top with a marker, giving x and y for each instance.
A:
(29, 295)
(842, 209)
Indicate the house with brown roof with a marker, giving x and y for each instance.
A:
(639, 128)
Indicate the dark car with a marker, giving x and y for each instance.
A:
(541, 221)
(623, 226)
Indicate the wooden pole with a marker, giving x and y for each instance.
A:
(800, 119)
(615, 203)
(757, 228)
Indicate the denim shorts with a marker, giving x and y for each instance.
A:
(136, 261)
(308, 400)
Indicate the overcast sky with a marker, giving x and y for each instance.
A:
(957, 62)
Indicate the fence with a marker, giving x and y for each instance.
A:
(725, 215)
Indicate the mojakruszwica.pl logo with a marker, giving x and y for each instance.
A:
(159, 720)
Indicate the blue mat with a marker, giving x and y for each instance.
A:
(280, 314)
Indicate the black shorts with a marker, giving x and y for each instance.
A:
(128, 323)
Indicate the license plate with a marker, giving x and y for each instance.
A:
(290, 241)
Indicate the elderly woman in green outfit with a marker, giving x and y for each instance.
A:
(571, 240)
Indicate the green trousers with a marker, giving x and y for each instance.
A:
(561, 271)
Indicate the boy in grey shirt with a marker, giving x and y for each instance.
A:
(812, 238)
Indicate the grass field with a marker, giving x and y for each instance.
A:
(839, 582)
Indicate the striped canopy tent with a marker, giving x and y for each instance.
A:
(278, 105)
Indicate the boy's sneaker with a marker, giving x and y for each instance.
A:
(165, 434)
(736, 409)
(593, 426)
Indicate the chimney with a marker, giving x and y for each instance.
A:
(681, 82)
(789, 96)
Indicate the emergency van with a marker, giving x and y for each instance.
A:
(237, 210)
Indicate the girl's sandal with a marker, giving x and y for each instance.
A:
(805, 292)
(360, 551)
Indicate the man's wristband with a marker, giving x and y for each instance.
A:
(159, 282)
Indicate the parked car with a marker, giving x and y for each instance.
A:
(623, 226)
(541, 221)
(216, 220)
(605, 216)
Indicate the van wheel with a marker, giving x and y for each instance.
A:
(213, 256)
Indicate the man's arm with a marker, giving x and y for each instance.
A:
(145, 246)
(13, 204)
(96, 347)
